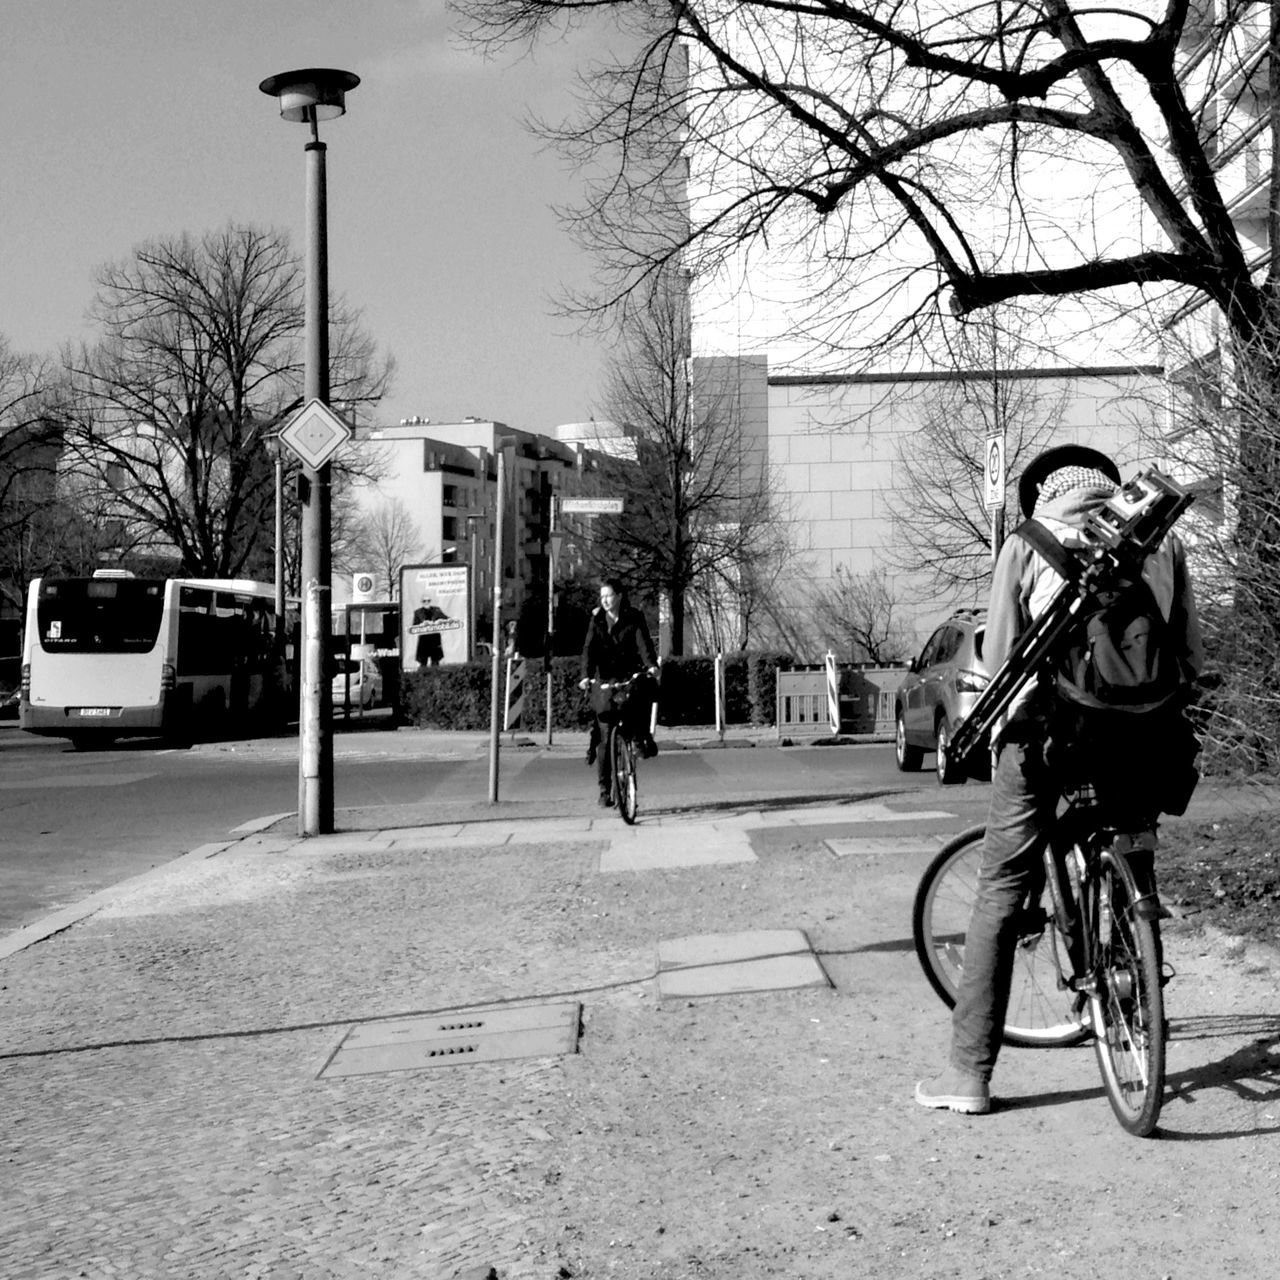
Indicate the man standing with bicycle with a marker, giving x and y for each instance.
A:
(1060, 487)
(617, 646)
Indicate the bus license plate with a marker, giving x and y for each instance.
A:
(93, 711)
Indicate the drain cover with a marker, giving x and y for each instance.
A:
(455, 1039)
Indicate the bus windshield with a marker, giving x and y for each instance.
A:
(100, 615)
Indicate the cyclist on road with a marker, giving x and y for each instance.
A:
(617, 646)
(1059, 487)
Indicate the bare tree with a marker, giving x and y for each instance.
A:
(44, 528)
(199, 365)
(699, 503)
(907, 162)
(941, 529)
(859, 613)
(975, 144)
(385, 539)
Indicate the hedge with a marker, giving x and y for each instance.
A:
(458, 696)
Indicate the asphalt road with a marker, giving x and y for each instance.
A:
(72, 823)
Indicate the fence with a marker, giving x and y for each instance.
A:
(866, 700)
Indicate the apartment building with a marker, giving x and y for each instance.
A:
(438, 482)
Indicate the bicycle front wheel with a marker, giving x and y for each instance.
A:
(624, 776)
(1041, 1010)
(1128, 1004)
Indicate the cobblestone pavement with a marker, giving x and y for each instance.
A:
(160, 1059)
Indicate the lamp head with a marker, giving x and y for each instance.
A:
(315, 93)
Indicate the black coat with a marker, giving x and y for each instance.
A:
(617, 654)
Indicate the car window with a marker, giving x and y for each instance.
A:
(948, 642)
(926, 654)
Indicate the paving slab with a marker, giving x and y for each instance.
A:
(737, 963)
(658, 848)
(872, 845)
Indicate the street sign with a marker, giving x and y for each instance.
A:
(315, 434)
(591, 506)
(993, 470)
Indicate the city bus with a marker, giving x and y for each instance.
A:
(115, 655)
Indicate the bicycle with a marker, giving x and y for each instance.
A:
(610, 700)
(1088, 959)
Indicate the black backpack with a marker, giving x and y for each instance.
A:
(1118, 723)
(1117, 655)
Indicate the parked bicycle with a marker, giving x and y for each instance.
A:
(1089, 958)
(615, 705)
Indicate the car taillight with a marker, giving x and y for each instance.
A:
(168, 678)
(26, 682)
(971, 681)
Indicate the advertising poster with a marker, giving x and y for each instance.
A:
(433, 615)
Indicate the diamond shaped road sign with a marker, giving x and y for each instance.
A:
(315, 434)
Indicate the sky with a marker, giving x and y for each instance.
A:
(142, 118)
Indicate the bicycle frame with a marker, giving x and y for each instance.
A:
(621, 754)
(1101, 877)
(1088, 957)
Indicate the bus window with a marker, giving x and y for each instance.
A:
(100, 615)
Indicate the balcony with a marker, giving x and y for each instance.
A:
(1244, 174)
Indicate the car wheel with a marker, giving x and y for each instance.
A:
(946, 768)
(909, 758)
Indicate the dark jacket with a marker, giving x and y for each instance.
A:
(618, 653)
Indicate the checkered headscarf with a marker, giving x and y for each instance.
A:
(1056, 483)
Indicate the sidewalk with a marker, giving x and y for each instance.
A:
(477, 1045)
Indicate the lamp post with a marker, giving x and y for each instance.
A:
(495, 689)
(307, 97)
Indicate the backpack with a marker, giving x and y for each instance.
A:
(1117, 656)
(1118, 722)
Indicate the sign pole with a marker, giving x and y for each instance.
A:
(994, 486)
(495, 693)
(553, 546)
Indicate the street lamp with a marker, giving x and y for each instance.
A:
(307, 97)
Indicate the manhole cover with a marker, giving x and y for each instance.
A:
(456, 1039)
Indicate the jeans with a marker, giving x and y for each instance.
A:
(1024, 799)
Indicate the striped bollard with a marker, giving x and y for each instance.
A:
(515, 692)
(833, 694)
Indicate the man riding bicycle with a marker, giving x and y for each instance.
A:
(617, 646)
(1060, 488)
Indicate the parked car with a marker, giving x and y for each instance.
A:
(365, 682)
(937, 693)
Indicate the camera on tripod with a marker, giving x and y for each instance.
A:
(1137, 516)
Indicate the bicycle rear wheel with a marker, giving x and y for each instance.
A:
(624, 775)
(1041, 1011)
(1128, 1006)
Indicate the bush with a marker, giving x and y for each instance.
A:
(457, 696)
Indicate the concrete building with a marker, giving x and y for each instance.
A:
(836, 447)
